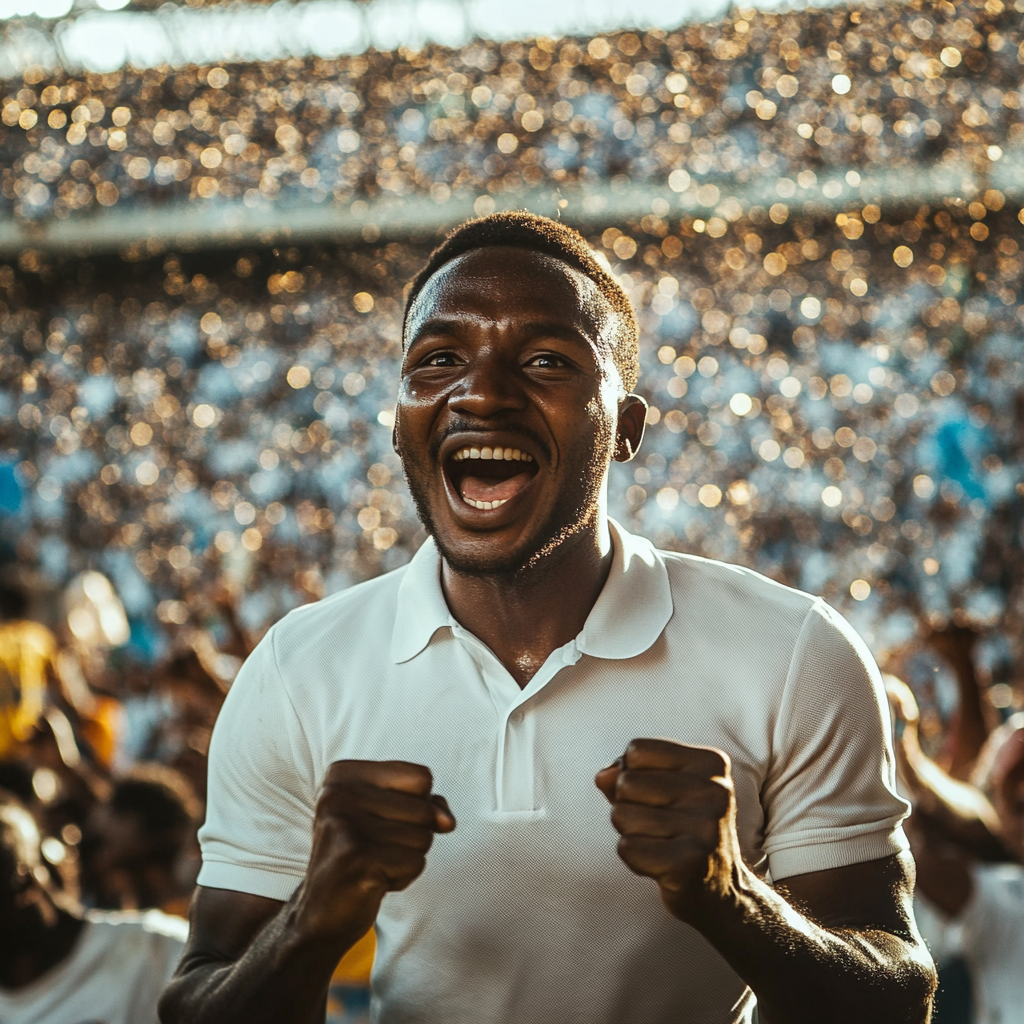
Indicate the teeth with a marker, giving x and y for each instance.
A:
(500, 454)
(486, 505)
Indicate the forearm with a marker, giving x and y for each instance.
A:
(968, 730)
(803, 972)
(281, 978)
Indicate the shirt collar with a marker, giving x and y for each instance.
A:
(422, 609)
(634, 605)
(633, 608)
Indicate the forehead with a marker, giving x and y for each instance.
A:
(503, 284)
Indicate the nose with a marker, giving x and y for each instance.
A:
(489, 387)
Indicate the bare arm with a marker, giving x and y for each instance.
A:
(947, 812)
(836, 945)
(246, 960)
(969, 729)
(252, 960)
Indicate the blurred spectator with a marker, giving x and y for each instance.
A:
(138, 847)
(970, 724)
(192, 696)
(58, 965)
(1000, 774)
(970, 879)
(27, 651)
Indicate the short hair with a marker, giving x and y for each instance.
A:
(159, 797)
(522, 230)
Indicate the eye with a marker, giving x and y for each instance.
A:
(548, 361)
(440, 359)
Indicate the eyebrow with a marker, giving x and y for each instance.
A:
(532, 329)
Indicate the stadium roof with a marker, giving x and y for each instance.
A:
(98, 35)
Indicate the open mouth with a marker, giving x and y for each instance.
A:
(487, 477)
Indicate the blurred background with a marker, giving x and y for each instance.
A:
(208, 214)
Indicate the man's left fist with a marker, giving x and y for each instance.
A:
(675, 809)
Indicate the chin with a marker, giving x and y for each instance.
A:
(486, 556)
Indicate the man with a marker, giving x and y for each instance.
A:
(528, 644)
(137, 846)
(60, 967)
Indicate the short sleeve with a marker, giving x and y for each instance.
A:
(262, 787)
(830, 795)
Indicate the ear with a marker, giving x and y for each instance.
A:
(632, 421)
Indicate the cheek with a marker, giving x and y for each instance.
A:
(417, 396)
(603, 409)
(413, 408)
(601, 416)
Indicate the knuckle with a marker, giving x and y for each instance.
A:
(422, 840)
(636, 746)
(423, 817)
(328, 807)
(404, 880)
(337, 770)
(620, 817)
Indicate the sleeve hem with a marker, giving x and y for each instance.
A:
(274, 885)
(827, 854)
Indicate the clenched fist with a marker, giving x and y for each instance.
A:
(675, 809)
(374, 822)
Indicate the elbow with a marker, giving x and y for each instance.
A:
(176, 1001)
(897, 989)
(168, 1007)
(911, 990)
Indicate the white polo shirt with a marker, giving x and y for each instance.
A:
(114, 974)
(525, 914)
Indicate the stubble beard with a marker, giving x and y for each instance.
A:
(576, 509)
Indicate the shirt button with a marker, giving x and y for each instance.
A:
(516, 717)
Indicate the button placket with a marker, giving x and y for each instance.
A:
(514, 776)
(516, 792)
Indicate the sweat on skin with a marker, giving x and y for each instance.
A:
(502, 618)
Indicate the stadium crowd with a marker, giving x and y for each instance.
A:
(783, 93)
(191, 443)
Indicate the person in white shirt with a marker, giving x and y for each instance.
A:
(737, 728)
(58, 966)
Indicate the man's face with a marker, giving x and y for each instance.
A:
(508, 407)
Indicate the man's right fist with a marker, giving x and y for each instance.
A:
(374, 822)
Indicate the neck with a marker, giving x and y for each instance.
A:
(35, 946)
(524, 616)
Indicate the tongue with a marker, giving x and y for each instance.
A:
(480, 489)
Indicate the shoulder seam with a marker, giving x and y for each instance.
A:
(797, 647)
(288, 696)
